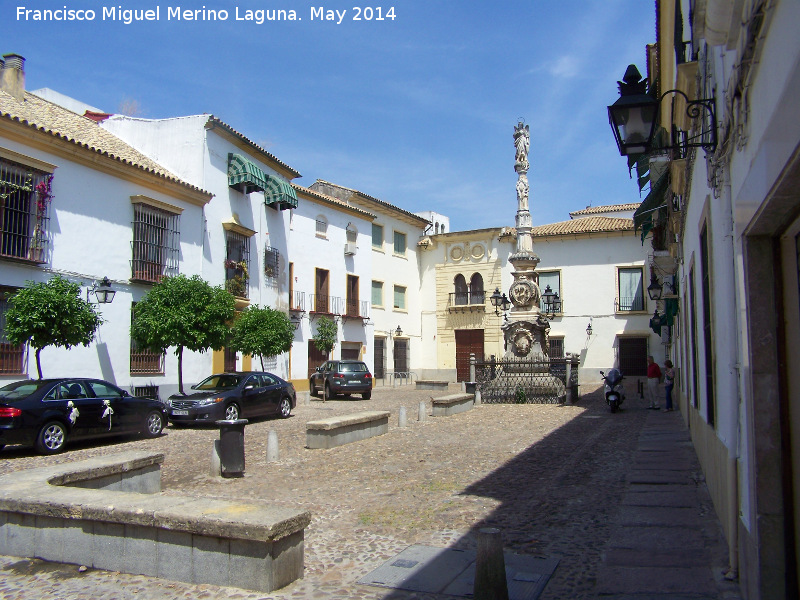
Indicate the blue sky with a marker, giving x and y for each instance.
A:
(418, 110)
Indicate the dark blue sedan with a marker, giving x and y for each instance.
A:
(45, 413)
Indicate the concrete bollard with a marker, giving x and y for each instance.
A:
(477, 397)
(402, 418)
(306, 398)
(490, 567)
(422, 412)
(272, 446)
(216, 464)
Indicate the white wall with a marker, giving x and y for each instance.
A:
(309, 252)
(589, 287)
(90, 220)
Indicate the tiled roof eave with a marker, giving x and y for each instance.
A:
(590, 210)
(333, 201)
(30, 126)
(271, 158)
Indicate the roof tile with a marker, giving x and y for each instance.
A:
(64, 124)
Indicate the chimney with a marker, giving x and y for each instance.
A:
(12, 75)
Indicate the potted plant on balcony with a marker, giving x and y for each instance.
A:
(237, 277)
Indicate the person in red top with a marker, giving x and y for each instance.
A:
(653, 378)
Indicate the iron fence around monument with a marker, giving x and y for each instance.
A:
(538, 381)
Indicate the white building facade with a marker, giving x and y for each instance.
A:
(86, 230)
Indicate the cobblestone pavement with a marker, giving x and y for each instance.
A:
(551, 477)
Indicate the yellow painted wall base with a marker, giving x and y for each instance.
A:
(301, 385)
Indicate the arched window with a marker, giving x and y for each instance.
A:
(322, 226)
(462, 293)
(441, 228)
(476, 289)
(436, 228)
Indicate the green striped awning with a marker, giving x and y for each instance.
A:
(247, 177)
(279, 194)
(643, 217)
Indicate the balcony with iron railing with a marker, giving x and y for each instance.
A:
(467, 302)
(297, 301)
(326, 305)
(357, 309)
(630, 304)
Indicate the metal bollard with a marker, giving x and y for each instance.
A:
(272, 446)
(490, 567)
(422, 412)
(402, 418)
(569, 398)
(231, 447)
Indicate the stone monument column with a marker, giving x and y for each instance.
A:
(526, 331)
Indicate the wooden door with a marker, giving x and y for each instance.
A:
(315, 358)
(633, 356)
(380, 357)
(468, 341)
(352, 296)
(321, 292)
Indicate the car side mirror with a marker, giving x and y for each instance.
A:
(249, 386)
(319, 369)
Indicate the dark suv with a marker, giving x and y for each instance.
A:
(342, 377)
(233, 396)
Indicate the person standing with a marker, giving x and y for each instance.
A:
(653, 377)
(669, 381)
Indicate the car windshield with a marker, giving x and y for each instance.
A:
(21, 389)
(352, 367)
(219, 382)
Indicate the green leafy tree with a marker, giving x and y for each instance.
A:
(262, 332)
(183, 312)
(51, 314)
(325, 339)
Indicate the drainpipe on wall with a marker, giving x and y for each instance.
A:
(732, 470)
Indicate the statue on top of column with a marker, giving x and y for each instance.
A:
(522, 142)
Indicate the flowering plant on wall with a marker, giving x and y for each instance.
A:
(44, 194)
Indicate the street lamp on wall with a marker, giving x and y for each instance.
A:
(551, 303)
(633, 118)
(655, 289)
(103, 293)
(499, 301)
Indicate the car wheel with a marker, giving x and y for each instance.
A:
(366, 395)
(154, 424)
(52, 437)
(285, 408)
(311, 389)
(328, 393)
(232, 412)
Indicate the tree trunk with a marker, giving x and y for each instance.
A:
(38, 362)
(179, 352)
(261, 356)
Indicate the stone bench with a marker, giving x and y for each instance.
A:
(453, 404)
(337, 431)
(109, 513)
(428, 384)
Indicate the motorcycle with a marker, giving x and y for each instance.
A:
(615, 393)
